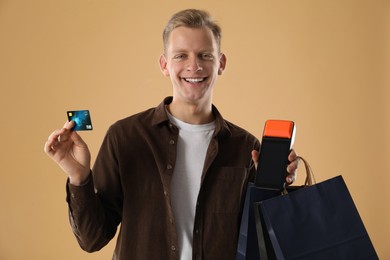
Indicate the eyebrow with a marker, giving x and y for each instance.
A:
(186, 51)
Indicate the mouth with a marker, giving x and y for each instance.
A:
(194, 80)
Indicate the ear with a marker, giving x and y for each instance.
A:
(222, 63)
(163, 65)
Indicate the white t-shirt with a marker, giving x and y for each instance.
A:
(191, 152)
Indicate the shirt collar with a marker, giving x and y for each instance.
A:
(160, 117)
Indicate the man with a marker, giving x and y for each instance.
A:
(173, 176)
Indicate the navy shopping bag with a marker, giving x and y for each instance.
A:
(247, 242)
(250, 244)
(315, 222)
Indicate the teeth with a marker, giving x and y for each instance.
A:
(194, 80)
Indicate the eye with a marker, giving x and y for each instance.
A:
(179, 57)
(207, 56)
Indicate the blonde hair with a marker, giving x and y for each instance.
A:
(192, 18)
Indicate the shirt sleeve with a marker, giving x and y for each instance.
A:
(80, 196)
(88, 217)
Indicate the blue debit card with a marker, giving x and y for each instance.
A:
(81, 118)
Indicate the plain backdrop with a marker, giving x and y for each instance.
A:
(321, 63)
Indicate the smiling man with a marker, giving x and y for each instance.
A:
(174, 176)
(193, 61)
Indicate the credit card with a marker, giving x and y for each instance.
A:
(81, 118)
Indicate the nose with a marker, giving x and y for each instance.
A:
(194, 64)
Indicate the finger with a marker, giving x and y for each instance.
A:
(52, 139)
(56, 137)
(63, 135)
(48, 147)
(291, 178)
(292, 156)
(69, 124)
(66, 131)
(293, 166)
(51, 147)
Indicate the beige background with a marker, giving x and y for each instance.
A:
(322, 63)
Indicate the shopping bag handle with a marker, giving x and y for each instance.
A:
(310, 179)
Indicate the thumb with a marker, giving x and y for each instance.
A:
(255, 158)
(77, 140)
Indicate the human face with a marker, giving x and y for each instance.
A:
(193, 62)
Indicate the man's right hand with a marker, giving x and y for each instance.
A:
(70, 152)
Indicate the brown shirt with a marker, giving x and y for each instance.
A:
(130, 185)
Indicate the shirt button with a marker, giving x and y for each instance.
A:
(171, 141)
(196, 231)
(165, 192)
(169, 166)
(173, 248)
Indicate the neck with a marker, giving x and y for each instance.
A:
(191, 113)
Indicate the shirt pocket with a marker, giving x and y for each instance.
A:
(226, 188)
